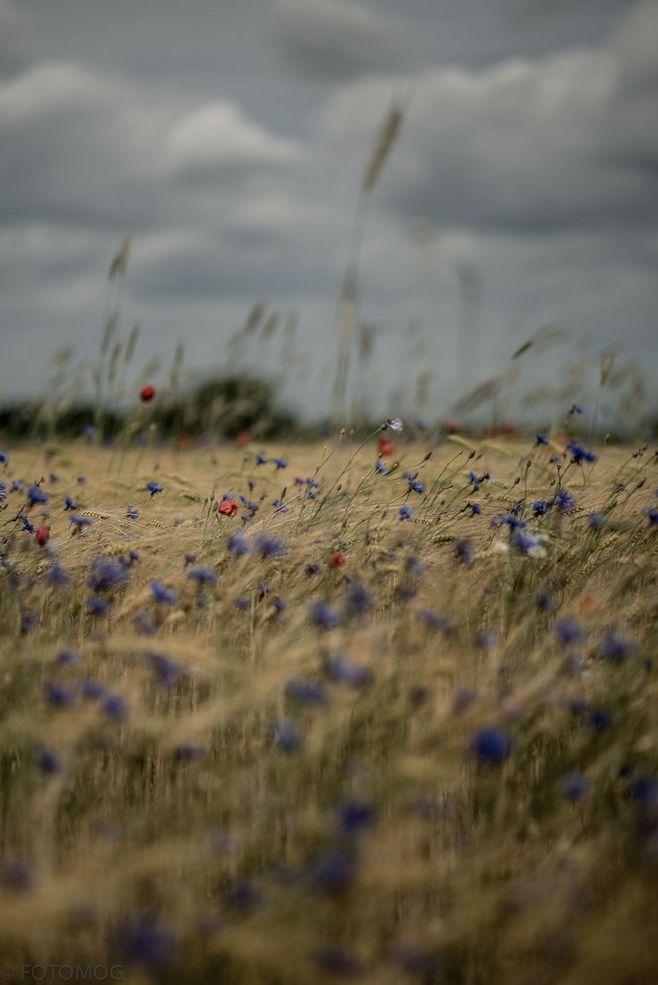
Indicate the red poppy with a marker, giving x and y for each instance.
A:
(243, 437)
(227, 507)
(385, 447)
(452, 427)
(42, 535)
(337, 560)
(508, 429)
(147, 393)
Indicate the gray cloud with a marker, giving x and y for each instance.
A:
(338, 39)
(562, 141)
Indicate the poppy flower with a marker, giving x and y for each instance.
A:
(42, 535)
(147, 393)
(227, 507)
(337, 560)
(385, 447)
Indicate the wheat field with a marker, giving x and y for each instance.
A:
(303, 713)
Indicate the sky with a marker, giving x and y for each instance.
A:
(228, 140)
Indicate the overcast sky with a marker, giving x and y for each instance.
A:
(227, 138)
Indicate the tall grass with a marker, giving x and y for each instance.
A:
(271, 759)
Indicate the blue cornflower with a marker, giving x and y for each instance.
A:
(380, 468)
(653, 517)
(270, 546)
(286, 736)
(69, 504)
(564, 501)
(79, 522)
(204, 576)
(58, 696)
(280, 506)
(540, 439)
(17, 875)
(3, 492)
(579, 454)
(281, 463)
(355, 816)
(324, 616)
(56, 575)
(512, 521)
(475, 508)
(166, 670)
(615, 648)
(337, 962)
(491, 746)
(463, 551)
(527, 543)
(4, 458)
(415, 565)
(599, 719)
(644, 789)
(237, 545)
(115, 707)
(359, 598)
(132, 513)
(29, 621)
(545, 601)
(49, 762)
(333, 871)
(97, 605)
(568, 631)
(340, 671)
(26, 523)
(242, 604)
(306, 692)
(434, 621)
(81, 480)
(540, 507)
(93, 690)
(106, 574)
(405, 513)
(168, 596)
(186, 752)
(574, 787)
(260, 459)
(154, 487)
(415, 484)
(36, 495)
(312, 569)
(596, 521)
(67, 658)
(144, 941)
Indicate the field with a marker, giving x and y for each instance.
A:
(304, 713)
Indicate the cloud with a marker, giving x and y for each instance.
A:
(558, 142)
(217, 137)
(337, 39)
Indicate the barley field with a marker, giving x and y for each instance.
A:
(300, 713)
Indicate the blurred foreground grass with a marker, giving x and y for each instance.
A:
(365, 724)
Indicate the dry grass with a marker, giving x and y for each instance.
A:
(381, 847)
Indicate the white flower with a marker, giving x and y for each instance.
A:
(394, 423)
